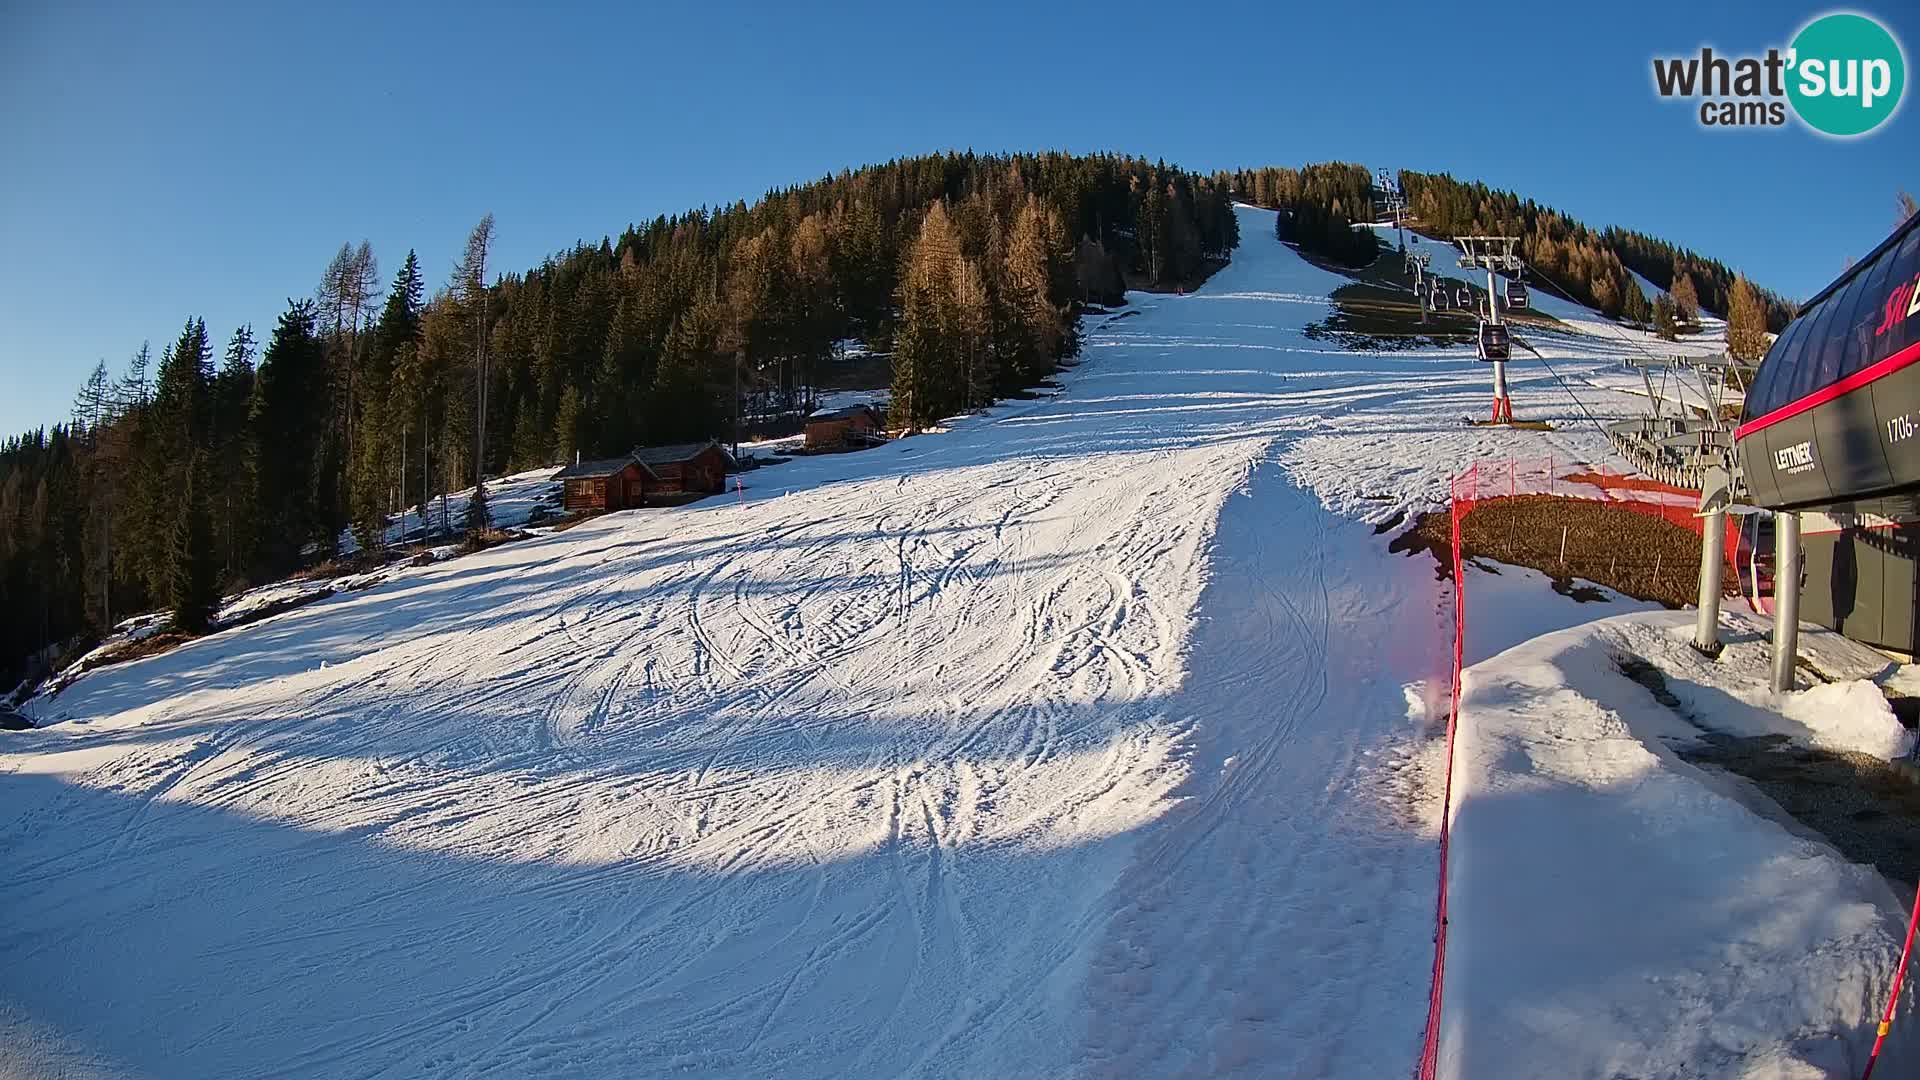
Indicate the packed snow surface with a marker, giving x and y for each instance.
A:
(1090, 737)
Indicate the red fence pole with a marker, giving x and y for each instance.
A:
(1893, 999)
(1430, 1048)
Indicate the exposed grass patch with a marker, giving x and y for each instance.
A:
(482, 539)
(1634, 554)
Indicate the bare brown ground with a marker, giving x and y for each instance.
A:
(1632, 553)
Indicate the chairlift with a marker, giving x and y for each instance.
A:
(1495, 341)
(1463, 297)
(1439, 298)
(1516, 295)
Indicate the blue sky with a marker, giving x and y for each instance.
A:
(163, 161)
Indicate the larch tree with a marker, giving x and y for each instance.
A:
(1686, 299)
(943, 324)
(1746, 322)
(813, 312)
(1031, 287)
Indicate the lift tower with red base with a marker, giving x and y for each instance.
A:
(1493, 254)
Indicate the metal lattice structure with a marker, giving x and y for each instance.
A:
(1682, 448)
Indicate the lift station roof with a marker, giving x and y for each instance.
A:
(1834, 412)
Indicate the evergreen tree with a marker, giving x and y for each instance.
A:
(183, 572)
(567, 440)
(382, 415)
(1663, 318)
(231, 496)
(1636, 309)
(190, 590)
(470, 288)
(287, 433)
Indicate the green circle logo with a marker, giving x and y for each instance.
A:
(1847, 74)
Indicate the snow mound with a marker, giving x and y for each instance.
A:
(1690, 936)
(1849, 716)
(1733, 695)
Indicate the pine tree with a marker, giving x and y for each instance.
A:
(470, 287)
(231, 495)
(1635, 308)
(1663, 318)
(183, 570)
(190, 589)
(567, 424)
(287, 432)
(1746, 322)
(379, 444)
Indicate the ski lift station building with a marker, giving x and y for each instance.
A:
(1831, 429)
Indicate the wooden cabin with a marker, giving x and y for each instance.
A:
(651, 474)
(684, 469)
(853, 424)
(608, 484)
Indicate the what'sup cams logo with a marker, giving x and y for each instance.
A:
(1843, 75)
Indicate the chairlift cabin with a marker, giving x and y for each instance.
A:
(1516, 295)
(1438, 298)
(1495, 341)
(1831, 428)
(1463, 297)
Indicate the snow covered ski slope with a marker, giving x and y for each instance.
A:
(1076, 740)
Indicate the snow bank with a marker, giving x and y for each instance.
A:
(1733, 695)
(1616, 914)
(1849, 716)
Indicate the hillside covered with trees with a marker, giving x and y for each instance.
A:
(1320, 204)
(1590, 265)
(189, 475)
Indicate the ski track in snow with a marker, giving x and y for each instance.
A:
(1054, 744)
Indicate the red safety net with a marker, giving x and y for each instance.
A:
(1577, 480)
(1486, 482)
(1430, 1049)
